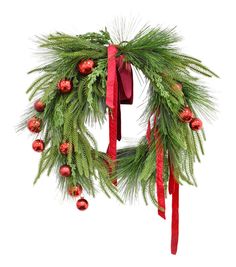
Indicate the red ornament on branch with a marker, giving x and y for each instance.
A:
(65, 170)
(186, 115)
(38, 145)
(39, 106)
(65, 86)
(82, 204)
(64, 148)
(75, 191)
(34, 125)
(196, 124)
(86, 66)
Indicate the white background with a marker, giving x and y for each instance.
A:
(38, 228)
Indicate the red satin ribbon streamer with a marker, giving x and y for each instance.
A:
(173, 187)
(159, 171)
(119, 91)
(174, 190)
(159, 167)
(148, 133)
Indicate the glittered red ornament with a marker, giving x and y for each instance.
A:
(86, 66)
(177, 86)
(196, 124)
(65, 170)
(65, 86)
(75, 191)
(34, 125)
(82, 204)
(186, 115)
(38, 145)
(64, 148)
(39, 106)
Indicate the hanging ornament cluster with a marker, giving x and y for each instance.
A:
(34, 125)
(186, 115)
(86, 80)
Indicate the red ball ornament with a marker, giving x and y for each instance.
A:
(65, 170)
(75, 191)
(186, 115)
(38, 145)
(82, 204)
(34, 125)
(39, 106)
(64, 148)
(65, 86)
(177, 86)
(196, 124)
(86, 66)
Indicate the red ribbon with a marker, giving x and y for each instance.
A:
(174, 190)
(159, 171)
(173, 187)
(119, 91)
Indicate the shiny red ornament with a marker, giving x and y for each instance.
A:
(65, 170)
(86, 66)
(38, 145)
(177, 86)
(65, 86)
(196, 124)
(186, 115)
(39, 106)
(64, 148)
(75, 191)
(82, 204)
(34, 125)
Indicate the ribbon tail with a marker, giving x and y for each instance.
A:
(175, 218)
(112, 103)
(171, 186)
(159, 180)
(148, 133)
(159, 172)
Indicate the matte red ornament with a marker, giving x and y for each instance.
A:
(38, 145)
(177, 86)
(82, 204)
(65, 86)
(196, 124)
(186, 115)
(64, 148)
(34, 125)
(65, 170)
(86, 66)
(39, 106)
(75, 191)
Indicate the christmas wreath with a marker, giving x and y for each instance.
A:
(83, 80)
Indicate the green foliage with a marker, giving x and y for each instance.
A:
(153, 52)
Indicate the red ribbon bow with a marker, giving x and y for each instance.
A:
(119, 91)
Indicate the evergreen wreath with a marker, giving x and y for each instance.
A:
(84, 79)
